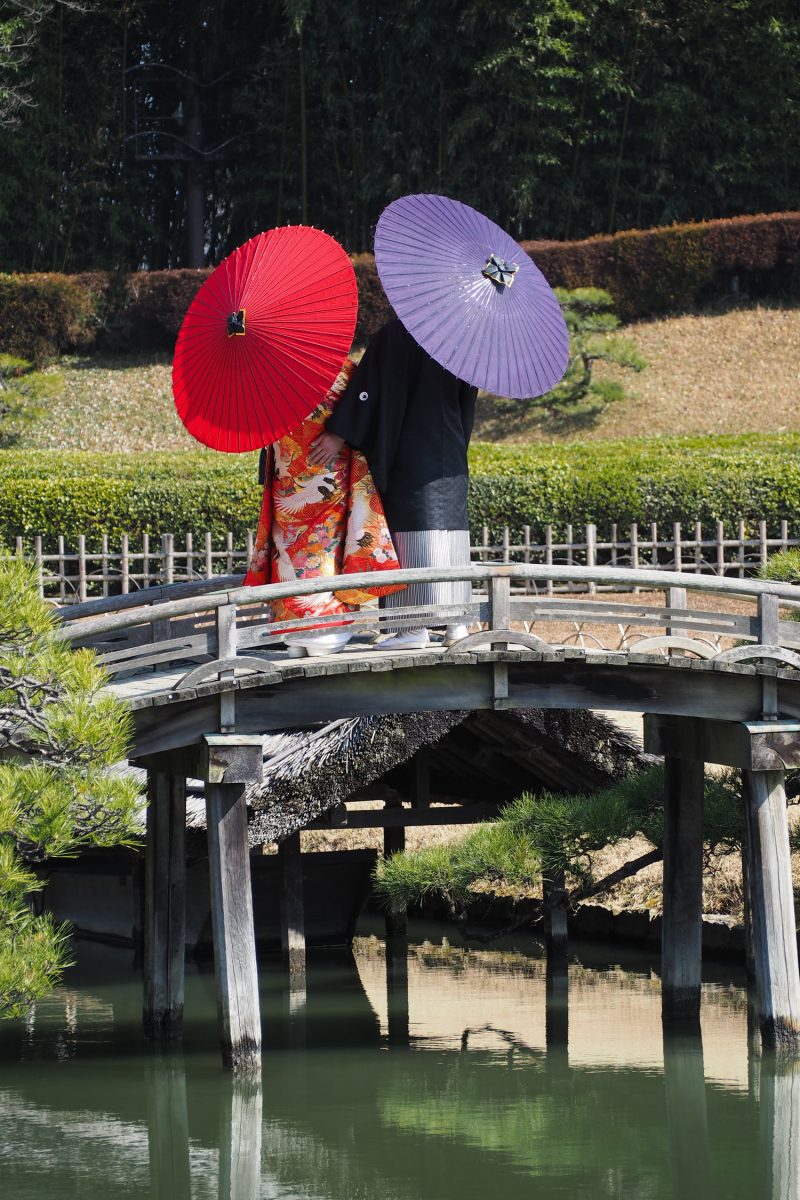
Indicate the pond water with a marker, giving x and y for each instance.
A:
(471, 1075)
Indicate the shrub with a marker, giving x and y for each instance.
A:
(783, 567)
(673, 268)
(659, 479)
(646, 272)
(153, 305)
(43, 315)
(60, 733)
(591, 322)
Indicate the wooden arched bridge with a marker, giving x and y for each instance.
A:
(713, 663)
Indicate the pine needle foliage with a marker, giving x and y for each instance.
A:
(592, 324)
(550, 832)
(59, 735)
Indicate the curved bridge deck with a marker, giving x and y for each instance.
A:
(714, 664)
(193, 659)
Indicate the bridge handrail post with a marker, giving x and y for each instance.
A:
(227, 641)
(769, 635)
(676, 598)
(499, 602)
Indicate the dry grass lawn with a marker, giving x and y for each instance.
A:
(731, 372)
(709, 373)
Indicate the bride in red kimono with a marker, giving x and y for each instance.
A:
(319, 520)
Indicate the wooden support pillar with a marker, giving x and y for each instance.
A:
(772, 910)
(233, 928)
(682, 930)
(240, 1141)
(165, 905)
(230, 762)
(293, 933)
(556, 934)
(394, 840)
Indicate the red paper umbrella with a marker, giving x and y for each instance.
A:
(264, 338)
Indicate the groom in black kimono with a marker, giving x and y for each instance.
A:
(412, 420)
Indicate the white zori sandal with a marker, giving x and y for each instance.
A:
(314, 645)
(405, 639)
(455, 633)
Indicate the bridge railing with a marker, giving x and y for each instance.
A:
(73, 571)
(229, 627)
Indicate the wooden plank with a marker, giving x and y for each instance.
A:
(681, 941)
(232, 924)
(554, 895)
(293, 935)
(772, 901)
(165, 906)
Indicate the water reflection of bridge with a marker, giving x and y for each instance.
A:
(450, 1109)
(206, 677)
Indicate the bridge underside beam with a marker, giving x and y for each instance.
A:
(750, 745)
(731, 696)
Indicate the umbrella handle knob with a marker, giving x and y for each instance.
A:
(235, 322)
(500, 271)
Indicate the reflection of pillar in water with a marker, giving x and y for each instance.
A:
(554, 896)
(295, 999)
(397, 992)
(556, 1011)
(780, 1129)
(687, 1117)
(753, 1044)
(168, 1129)
(293, 932)
(240, 1139)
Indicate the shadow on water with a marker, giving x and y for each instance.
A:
(446, 1074)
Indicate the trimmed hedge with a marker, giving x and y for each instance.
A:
(655, 271)
(43, 315)
(646, 271)
(749, 477)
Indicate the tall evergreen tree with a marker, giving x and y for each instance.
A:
(60, 732)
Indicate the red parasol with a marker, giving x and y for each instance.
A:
(264, 338)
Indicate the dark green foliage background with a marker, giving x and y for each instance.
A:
(559, 118)
(750, 477)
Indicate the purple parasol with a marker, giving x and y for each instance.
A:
(471, 296)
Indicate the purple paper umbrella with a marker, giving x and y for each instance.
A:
(471, 296)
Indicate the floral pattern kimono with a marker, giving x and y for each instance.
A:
(315, 521)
